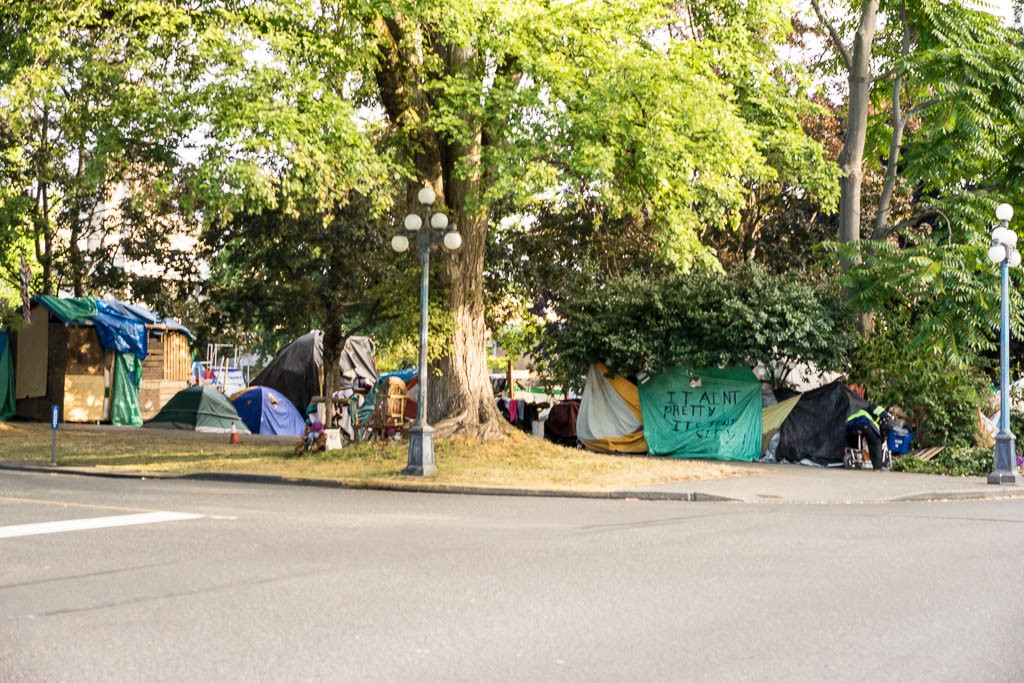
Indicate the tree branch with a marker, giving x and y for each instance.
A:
(837, 40)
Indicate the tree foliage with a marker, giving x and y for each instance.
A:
(936, 91)
(94, 102)
(705, 319)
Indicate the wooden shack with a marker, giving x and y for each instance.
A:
(65, 365)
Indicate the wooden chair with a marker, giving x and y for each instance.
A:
(389, 408)
(388, 412)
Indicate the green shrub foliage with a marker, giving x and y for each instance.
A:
(939, 399)
(703, 319)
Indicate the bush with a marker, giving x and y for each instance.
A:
(940, 400)
(698, 320)
(956, 462)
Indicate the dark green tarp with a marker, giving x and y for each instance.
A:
(710, 413)
(7, 406)
(201, 408)
(70, 311)
(124, 394)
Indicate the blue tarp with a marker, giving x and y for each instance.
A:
(121, 326)
(267, 411)
(119, 332)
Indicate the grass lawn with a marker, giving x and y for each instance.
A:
(519, 462)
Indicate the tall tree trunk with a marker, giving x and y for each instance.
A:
(465, 400)
(851, 159)
(461, 399)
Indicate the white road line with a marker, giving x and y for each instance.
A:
(93, 523)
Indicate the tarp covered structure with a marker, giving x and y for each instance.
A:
(609, 419)
(88, 356)
(297, 369)
(815, 428)
(707, 413)
(713, 413)
(200, 408)
(268, 411)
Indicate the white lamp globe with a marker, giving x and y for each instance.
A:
(1004, 212)
(1010, 238)
(999, 235)
(399, 243)
(1014, 259)
(997, 253)
(439, 221)
(452, 241)
(413, 222)
(426, 196)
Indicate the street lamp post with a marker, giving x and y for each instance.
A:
(1004, 252)
(427, 230)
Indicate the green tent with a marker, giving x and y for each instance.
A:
(200, 408)
(7, 408)
(711, 413)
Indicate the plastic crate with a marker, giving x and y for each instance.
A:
(899, 440)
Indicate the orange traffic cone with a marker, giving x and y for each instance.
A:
(234, 434)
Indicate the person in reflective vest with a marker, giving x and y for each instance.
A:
(872, 424)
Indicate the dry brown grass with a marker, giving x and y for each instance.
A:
(519, 462)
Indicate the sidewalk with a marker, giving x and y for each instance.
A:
(778, 483)
(774, 483)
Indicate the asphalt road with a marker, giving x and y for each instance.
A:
(292, 583)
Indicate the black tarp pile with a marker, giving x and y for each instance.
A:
(815, 429)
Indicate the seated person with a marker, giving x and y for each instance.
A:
(872, 423)
(314, 428)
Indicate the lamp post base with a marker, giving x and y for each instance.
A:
(421, 452)
(1005, 465)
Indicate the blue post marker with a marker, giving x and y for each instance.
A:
(54, 423)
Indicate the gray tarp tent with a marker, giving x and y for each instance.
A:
(295, 370)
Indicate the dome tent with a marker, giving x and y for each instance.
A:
(266, 411)
(199, 408)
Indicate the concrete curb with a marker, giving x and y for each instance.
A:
(412, 488)
(636, 494)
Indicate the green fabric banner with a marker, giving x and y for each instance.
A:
(709, 413)
(7, 404)
(124, 390)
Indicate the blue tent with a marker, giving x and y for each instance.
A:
(267, 411)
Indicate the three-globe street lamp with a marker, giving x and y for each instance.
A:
(1004, 252)
(427, 230)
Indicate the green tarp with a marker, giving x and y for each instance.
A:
(124, 398)
(70, 311)
(709, 413)
(7, 406)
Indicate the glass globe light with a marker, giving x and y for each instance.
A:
(999, 235)
(452, 241)
(399, 243)
(1010, 238)
(439, 221)
(1014, 259)
(413, 222)
(997, 253)
(1004, 212)
(426, 196)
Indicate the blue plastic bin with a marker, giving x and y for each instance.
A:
(899, 440)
